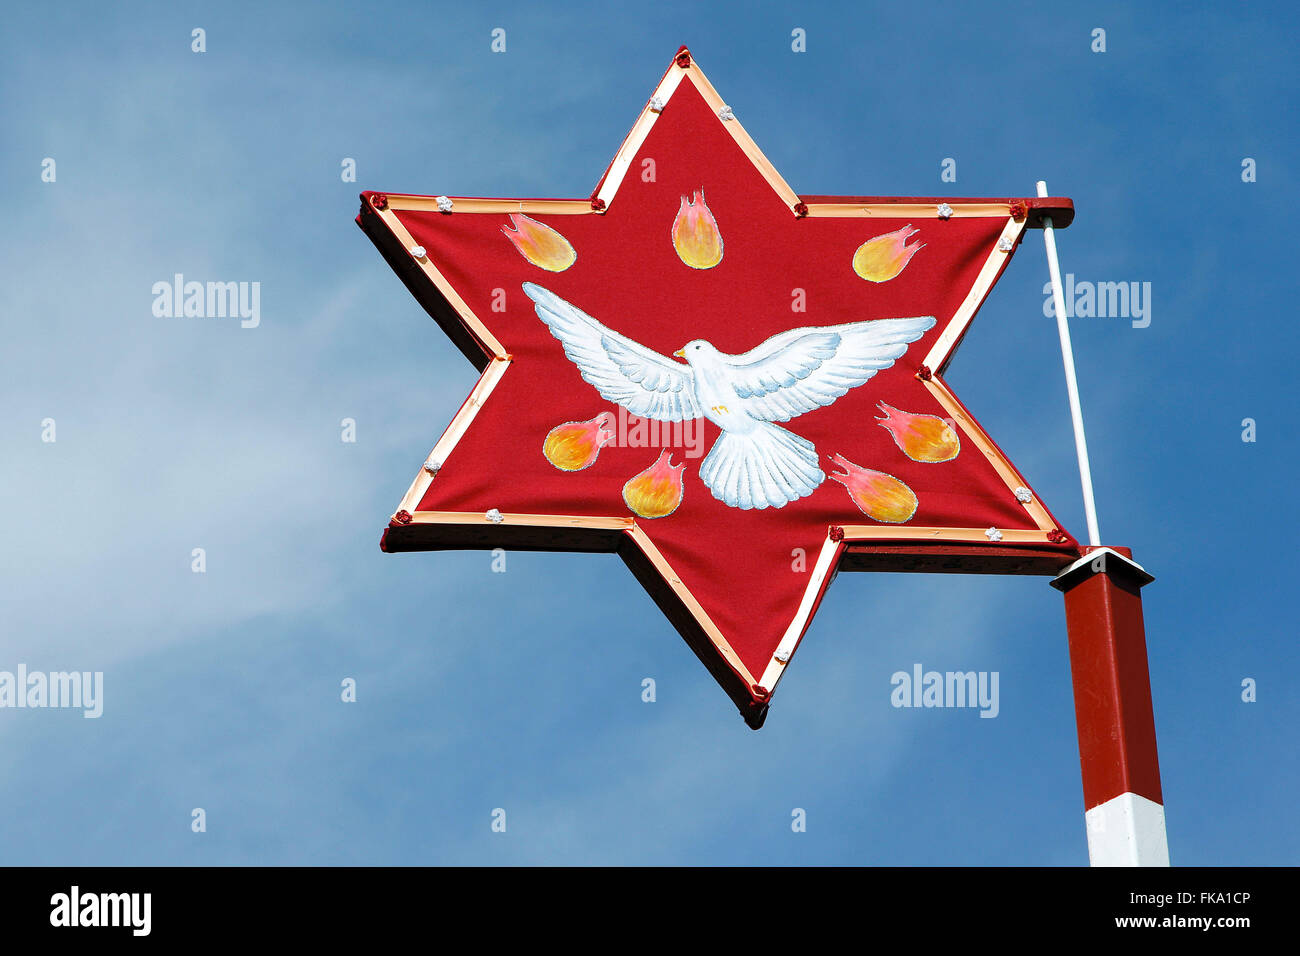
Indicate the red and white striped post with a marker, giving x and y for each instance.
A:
(1123, 807)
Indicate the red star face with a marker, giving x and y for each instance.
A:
(737, 389)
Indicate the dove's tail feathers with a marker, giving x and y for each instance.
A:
(768, 467)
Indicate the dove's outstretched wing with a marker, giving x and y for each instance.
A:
(797, 371)
(644, 382)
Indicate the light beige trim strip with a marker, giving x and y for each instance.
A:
(523, 520)
(873, 532)
(1006, 472)
(686, 597)
(640, 130)
(823, 569)
(476, 328)
(988, 275)
(743, 139)
(552, 207)
(844, 210)
(460, 422)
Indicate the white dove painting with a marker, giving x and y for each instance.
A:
(754, 463)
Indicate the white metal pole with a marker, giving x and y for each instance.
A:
(1071, 383)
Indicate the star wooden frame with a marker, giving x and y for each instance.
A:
(850, 547)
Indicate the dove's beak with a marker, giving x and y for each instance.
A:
(681, 352)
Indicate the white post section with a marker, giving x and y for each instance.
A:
(1128, 830)
(1071, 383)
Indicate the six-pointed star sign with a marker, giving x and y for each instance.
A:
(672, 367)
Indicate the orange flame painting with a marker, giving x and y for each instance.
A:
(882, 258)
(657, 491)
(574, 446)
(539, 243)
(877, 495)
(921, 437)
(695, 233)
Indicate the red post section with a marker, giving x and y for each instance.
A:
(1124, 807)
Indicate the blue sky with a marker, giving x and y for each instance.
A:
(522, 690)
